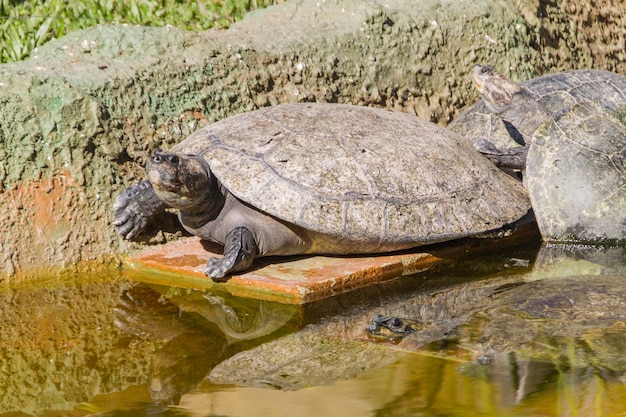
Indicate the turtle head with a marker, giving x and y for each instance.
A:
(181, 181)
(514, 104)
(496, 89)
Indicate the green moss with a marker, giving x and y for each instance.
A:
(25, 25)
(620, 115)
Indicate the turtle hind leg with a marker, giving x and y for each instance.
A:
(240, 249)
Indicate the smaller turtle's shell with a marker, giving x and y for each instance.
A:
(576, 177)
(360, 173)
(559, 92)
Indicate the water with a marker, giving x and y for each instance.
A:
(518, 333)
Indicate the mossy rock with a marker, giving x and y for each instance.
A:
(80, 117)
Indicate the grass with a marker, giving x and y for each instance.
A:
(25, 25)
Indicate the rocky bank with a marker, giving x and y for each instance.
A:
(79, 118)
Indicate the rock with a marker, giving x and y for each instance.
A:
(79, 118)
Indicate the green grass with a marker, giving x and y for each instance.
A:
(25, 25)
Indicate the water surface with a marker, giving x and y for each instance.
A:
(517, 333)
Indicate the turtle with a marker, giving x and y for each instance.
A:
(558, 93)
(321, 178)
(573, 157)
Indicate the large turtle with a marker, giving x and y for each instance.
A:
(574, 154)
(322, 178)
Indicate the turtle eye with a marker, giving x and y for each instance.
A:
(373, 327)
(157, 158)
(395, 322)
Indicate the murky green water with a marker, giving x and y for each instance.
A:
(518, 333)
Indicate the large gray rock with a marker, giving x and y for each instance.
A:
(79, 118)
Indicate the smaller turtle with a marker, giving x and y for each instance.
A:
(574, 162)
(558, 93)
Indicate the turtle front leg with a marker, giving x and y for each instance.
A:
(135, 207)
(512, 158)
(240, 249)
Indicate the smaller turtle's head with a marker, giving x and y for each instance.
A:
(181, 181)
(496, 89)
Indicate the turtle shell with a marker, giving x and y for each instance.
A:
(559, 92)
(575, 169)
(576, 177)
(358, 172)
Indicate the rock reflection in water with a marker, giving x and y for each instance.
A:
(200, 331)
(561, 260)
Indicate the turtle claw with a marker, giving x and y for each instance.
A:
(216, 270)
(512, 158)
(134, 208)
(240, 249)
(132, 229)
(486, 147)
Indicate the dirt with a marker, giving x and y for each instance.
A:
(80, 117)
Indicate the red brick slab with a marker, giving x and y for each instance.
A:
(294, 280)
(298, 280)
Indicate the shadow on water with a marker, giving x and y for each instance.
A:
(525, 331)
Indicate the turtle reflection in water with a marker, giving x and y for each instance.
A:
(199, 330)
(538, 317)
(511, 329)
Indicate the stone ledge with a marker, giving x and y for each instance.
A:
(293, 280)
(300, 280)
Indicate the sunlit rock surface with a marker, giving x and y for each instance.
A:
(79, 118)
